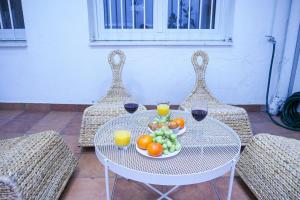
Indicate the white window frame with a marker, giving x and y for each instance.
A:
(160, 34)
(12, 34)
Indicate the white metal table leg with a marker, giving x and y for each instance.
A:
(106, 180)
(231, 181)
(165, 194)
(154, 189)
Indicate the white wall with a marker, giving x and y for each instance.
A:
(59, 66)
(296, 87)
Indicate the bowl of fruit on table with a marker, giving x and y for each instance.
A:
(177, 125)
(162, 143)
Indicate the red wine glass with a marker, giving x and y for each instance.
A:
(199, 109)
(131, 106)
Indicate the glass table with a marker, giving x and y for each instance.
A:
(209, 150)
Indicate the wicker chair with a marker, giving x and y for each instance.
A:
(37, 166)
(108, 107)
(235, 117)
(270, 166)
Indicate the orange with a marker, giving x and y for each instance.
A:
(155, 149)
(179, 122)
(143, 141)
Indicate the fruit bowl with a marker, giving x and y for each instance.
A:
(145, 153)
(162, 143)
(177, 125)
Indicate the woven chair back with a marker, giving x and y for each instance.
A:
(200, 69)
(200, 91)
(117, 91)
(116, 66)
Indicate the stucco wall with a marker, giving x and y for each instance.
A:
(296, 87)
(59, 65)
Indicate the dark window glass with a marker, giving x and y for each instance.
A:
(149, 14)
(205, 16)
(17, 14)
(127, 9)
(172, 14)
(127, 14)
(5, 14)
(191, 10)
(106, 13)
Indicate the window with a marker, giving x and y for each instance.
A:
(160, 20)
(11, 20)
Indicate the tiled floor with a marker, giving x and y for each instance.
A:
(88, 180)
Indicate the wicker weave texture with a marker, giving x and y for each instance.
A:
(235, 117)
(110, 106)
(37, 166)
(270, 166)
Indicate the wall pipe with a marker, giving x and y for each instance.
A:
(287, 58)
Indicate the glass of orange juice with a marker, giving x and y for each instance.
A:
(122, 138)
(163, 109)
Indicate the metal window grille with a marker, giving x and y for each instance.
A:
(160, 20)
(191, 14)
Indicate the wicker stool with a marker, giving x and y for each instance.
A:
(110, 106)
(270, 166)
(235, 117)
(37, 166)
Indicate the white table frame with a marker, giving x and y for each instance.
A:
(163, 179)
(148, 178)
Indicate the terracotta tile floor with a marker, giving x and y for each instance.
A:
(88, 181)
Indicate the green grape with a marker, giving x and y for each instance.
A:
(166, 152)
(177, 147)
(160, 133)
(173, 136)
(158, 138)
(172, 149)
(159, 141)
(169, 143)
(172, 140)
(165, 146)
(167, 133)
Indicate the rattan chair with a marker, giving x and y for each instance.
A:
(270, 166)
(235, 117)
(108, 107)
(37, 166)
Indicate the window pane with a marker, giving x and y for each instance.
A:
(206, 9)
(189, 15)
(17, 14)
(128, 10)
(149, 14)
(127, 14)
(194, 20)
(116, 14)
(139, 14)
(214, 14)
(172, 14)
(106, 14)
(5, 14)
(183, 14)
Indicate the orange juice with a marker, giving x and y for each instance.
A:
(163, 109)
(122, 138)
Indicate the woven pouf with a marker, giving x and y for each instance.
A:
(235, 117)
(270, 166)
(36, 166)
(110, 106)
